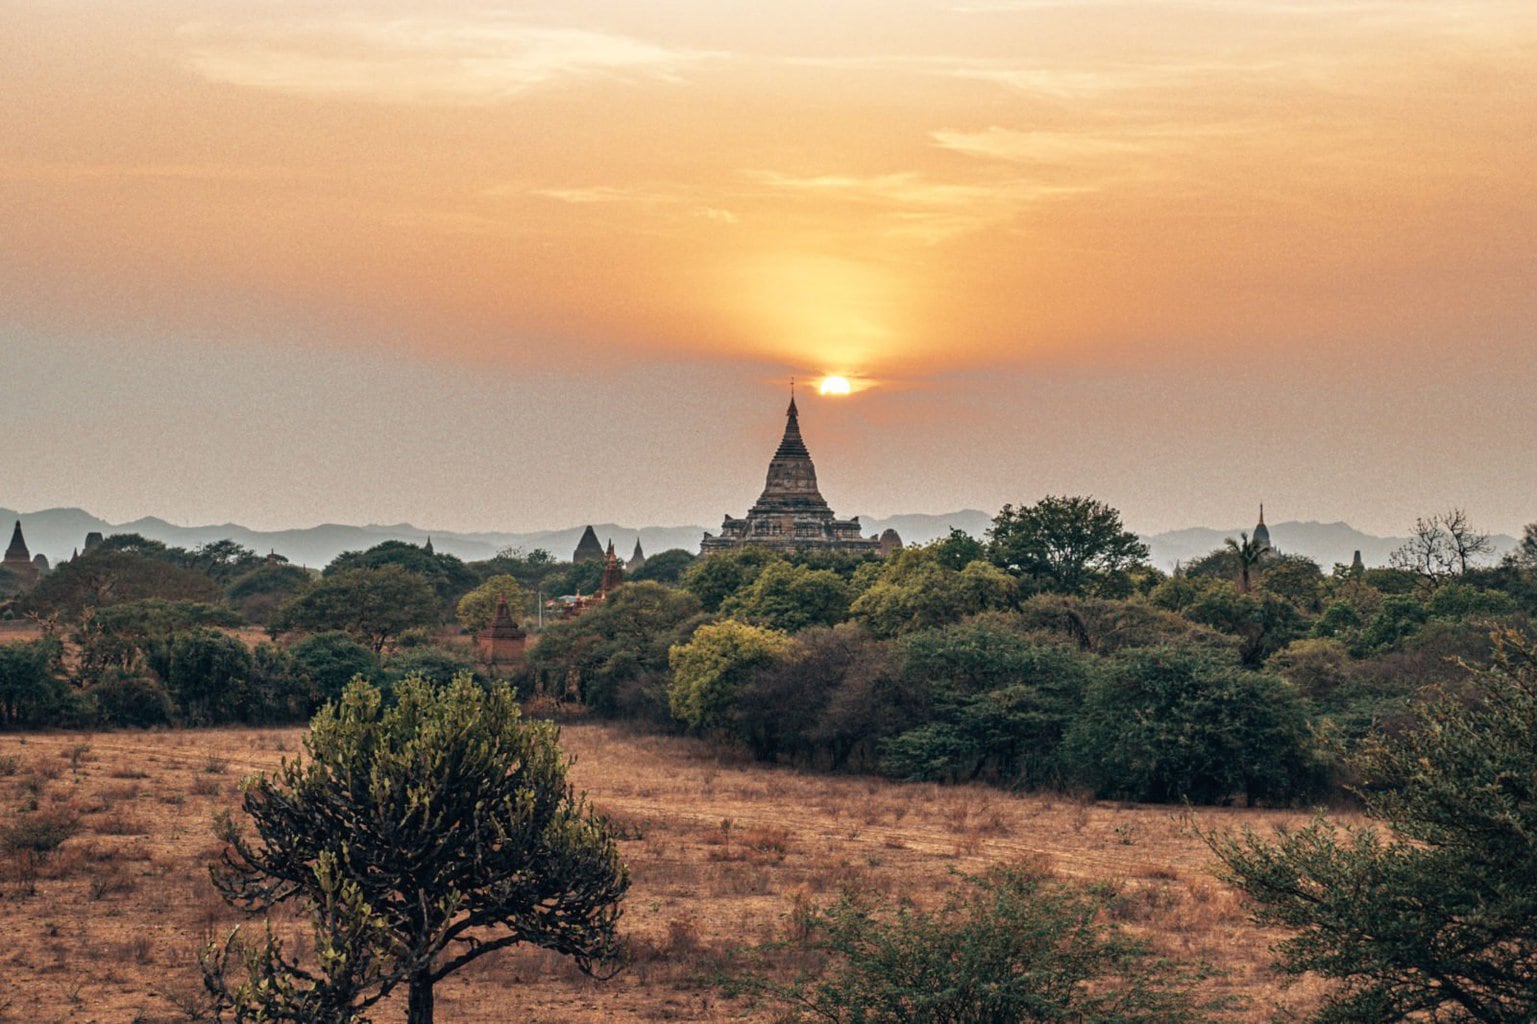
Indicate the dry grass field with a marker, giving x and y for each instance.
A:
(721, 853)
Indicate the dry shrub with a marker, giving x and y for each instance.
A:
(10, 764)
(39, 833)
(120, 823)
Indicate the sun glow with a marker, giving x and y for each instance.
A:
(834, 385)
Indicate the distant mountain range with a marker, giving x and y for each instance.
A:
(56, 532)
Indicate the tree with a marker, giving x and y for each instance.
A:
(914, 590)
(32, 687)
(714, 578)
(709, 670)
(449, 577)
(1167, 724)
(1246, 555)
(790, 598)
(374, 605)
(478, 607)
(1524, 556)
(664, 566)
(958, 549)
(420, 836)
(616, 653)
(331, 660)
(208, 675)
(1014, 947)
(1443, 545)
(1068, 545)
(1430, 913)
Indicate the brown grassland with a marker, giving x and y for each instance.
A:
(721, 852)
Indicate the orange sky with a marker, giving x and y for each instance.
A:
(1208, 221)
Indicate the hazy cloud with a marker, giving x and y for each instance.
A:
(420, 59)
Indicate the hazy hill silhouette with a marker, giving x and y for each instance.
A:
(57, 531)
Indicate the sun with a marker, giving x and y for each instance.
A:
(833, 385)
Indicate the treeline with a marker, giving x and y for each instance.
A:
(1048, 653)
(136, 633)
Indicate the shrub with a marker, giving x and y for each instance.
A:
(1012, 948)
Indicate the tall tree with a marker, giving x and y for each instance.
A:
(1246, 555)
(1441, 546)
(1430, 914)
(420, 837)
(1068, 545)
(374, 605)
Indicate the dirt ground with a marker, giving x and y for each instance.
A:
(721, 853)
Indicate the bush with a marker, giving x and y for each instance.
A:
(207, 675)
(32, 687)
(1166, 725)
(1012, 948)
(126, 699)
(332, 660)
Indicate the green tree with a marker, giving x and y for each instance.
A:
(664, 567)
(616, 653)
(420, 836)
(32, 687)
(109, 576)
(1013, 947)
(1169, 724)
(449, 577)
(260, 592)
(478, 607)
(915, 591)
(790, 598)
(208, 675)
(331, 660)
(374, 605)
(958, 549)
(1430, 912)
(1067, 545)
(716, 577)
(709, 670)
(1246, 556)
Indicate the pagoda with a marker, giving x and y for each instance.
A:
(18, 560)
(791, 514)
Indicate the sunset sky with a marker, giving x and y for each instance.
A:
(533, 265)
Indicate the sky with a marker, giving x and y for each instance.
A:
(522, 266)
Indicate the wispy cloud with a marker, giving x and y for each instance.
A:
(647, 196)
(421, 59)
(919, 207)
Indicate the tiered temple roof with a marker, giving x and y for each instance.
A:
(791, 513)
(588, 549)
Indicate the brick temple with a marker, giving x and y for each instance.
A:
(791, 514)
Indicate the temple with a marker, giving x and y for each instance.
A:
(790, 514)
(588, 549)
(501, 644)
(18, 560)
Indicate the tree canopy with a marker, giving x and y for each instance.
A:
(419, 836)
(1068, 545)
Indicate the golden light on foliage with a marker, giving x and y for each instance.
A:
(834, 385)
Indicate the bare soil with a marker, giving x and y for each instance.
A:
(722, 853)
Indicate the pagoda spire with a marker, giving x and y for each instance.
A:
(18, 549)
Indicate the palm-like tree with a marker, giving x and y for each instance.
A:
(1247, 554)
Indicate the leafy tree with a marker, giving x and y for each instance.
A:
(958, 549)
(780, 711)
(1013, 947)
(478, 607)
(224, 560)
(1262, 622)
(331, 660)
(127, 699)
(616, 653)
(373, 605)
(709, 670)
(263, 590)
(665, 566)
(1165, 724)
(421, 836)
(1430, 913)
(999, 704)
(1295, 578)
(431, 664)
(790, 598)
(277, 688)
(1524, 555)
(449, 577)
(208, 675)
(1067, 545)
(32, 687)
(714, 578)
(108, 576)
(914, 591)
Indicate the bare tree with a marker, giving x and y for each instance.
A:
(1441, 546)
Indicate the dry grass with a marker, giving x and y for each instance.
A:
(721, 854)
